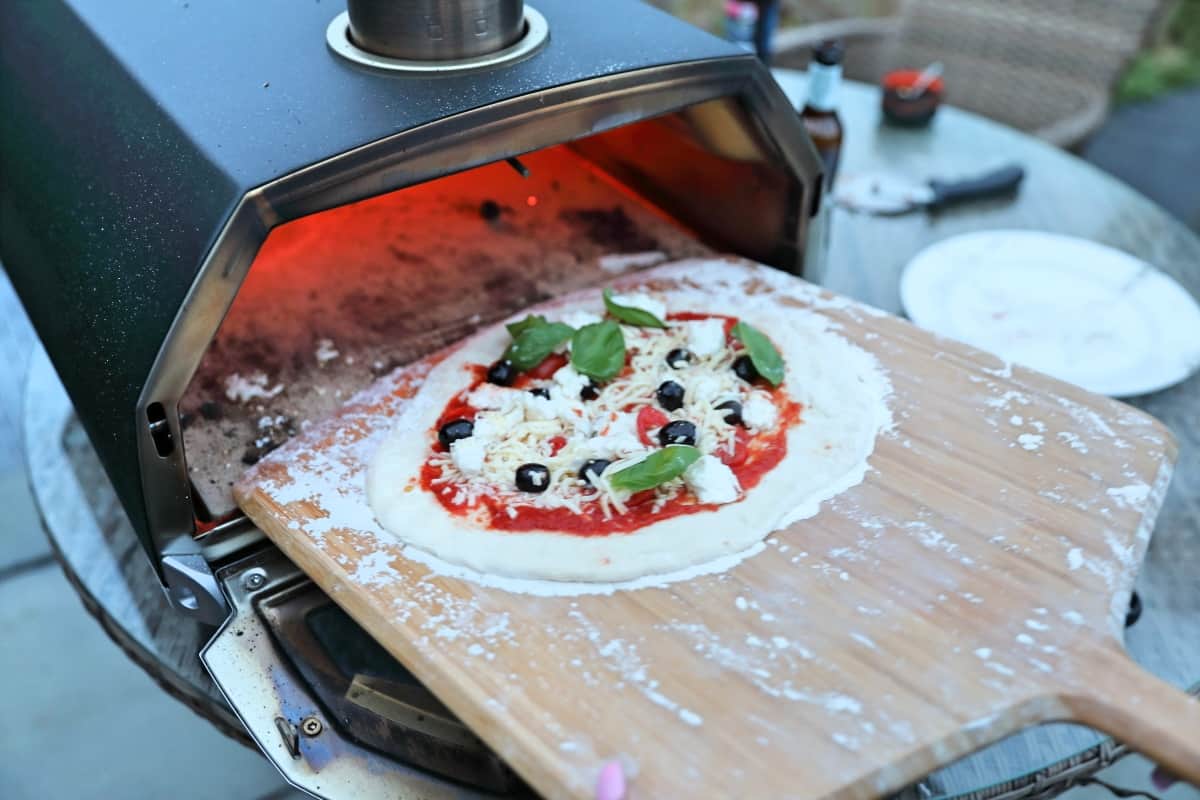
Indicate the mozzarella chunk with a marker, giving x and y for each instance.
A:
(706, 336)
(577, 319)
(618, 441)
(613, 446)
(643, 301)
(702, 387)
(468, 454)
(710, 389)
(493, 425)
(489, 396)
(711, 481)
(557, 407)
(538, 407)
(758, 412)
(570, 381)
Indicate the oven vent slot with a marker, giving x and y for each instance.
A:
(160, 429)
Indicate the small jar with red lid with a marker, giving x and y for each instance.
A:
(915, 110)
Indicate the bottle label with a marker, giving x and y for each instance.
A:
(823, 84)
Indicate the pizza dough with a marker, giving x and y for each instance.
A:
(842, 389)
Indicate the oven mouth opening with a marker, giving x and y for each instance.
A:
(536, 32)
(334, 299)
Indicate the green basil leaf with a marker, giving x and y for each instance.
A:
(763, 355)
(655, 469)
(536, 341)
(533, 320)
(630, 315)
(598, 350)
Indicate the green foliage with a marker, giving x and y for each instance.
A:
(1172, 63)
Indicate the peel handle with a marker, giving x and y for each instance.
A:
(1151, 716)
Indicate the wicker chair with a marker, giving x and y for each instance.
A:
(1044, 66)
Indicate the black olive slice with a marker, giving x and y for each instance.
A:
(502, 373)
(743, 367)
(734, 417)
(454, 430)
(533, 478)
(593, 466)
(670, 395)
(678, 432)
(679, 358)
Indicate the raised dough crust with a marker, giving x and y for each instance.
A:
(841, 386)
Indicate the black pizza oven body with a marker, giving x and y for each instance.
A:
(149, 147)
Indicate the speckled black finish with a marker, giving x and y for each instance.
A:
(129, 131)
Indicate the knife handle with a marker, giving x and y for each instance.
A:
(1002, 181)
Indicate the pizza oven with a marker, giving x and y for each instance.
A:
(226, 218)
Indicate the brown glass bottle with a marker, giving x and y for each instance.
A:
(819, 114)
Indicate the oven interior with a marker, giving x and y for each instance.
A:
(336, 299)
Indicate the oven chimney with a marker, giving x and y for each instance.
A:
(435, 30)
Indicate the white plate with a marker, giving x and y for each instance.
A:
(1074, 309)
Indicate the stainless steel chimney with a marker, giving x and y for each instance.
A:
(435, 30)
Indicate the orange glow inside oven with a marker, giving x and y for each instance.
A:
(336, 299)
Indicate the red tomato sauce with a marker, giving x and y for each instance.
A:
(752, 459)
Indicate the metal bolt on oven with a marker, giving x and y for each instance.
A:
(224, 219)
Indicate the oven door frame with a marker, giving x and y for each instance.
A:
(459, 142)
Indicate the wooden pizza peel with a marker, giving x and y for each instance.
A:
(972, 585)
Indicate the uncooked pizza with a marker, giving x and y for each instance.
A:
(630, 432)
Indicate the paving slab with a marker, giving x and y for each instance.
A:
(16, 340)
(82, 721)
(1154, 146)
(22, 541)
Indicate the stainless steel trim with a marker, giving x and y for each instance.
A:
(536, 32)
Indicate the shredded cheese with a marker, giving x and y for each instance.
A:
(515, 427)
